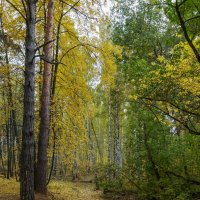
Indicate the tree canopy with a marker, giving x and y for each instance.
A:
(105, 90)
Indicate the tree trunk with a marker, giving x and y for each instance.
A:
(109, 131)
(41, 172)
(11, 131)
(185, 32)
(117, 153)
(27, 153)
(53, 160)
(75, 168)
(8, 150)
(1, 156)
(53, 91)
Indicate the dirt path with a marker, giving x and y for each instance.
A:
(74, 191)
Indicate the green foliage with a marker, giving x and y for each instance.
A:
(159, 100)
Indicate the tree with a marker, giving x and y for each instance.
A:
(41, 172)
(27, 154)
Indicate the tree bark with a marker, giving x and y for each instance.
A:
(1, 156)
(75, 168)
(53, 161)
(27, 153)
(8, 149)
(53, 91)
(109, 139)
(117, 152)
(41, 172)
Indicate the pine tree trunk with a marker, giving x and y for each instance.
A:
(41, 172)
(27, 153)
(53, 160)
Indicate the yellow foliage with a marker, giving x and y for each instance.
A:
(182, 68)
(161, 59)
(108, 56)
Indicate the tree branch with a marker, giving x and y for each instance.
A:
(178, 120)
(182, 24)
(44, 44)
(15, 7)
(73, 7)
(196, 17)
(182, 177)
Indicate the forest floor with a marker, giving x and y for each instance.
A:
(58, 190)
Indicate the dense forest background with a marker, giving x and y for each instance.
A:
(102, 91)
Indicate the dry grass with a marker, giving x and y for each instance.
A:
(74, 191)
(9, 190)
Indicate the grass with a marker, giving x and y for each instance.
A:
(58, 190)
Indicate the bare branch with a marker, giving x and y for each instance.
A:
(15, 7)
(184, 29)
(72, 7)
(192, 18)
(44, 44)
(178, 120)
(179, 5)
(78, 11)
